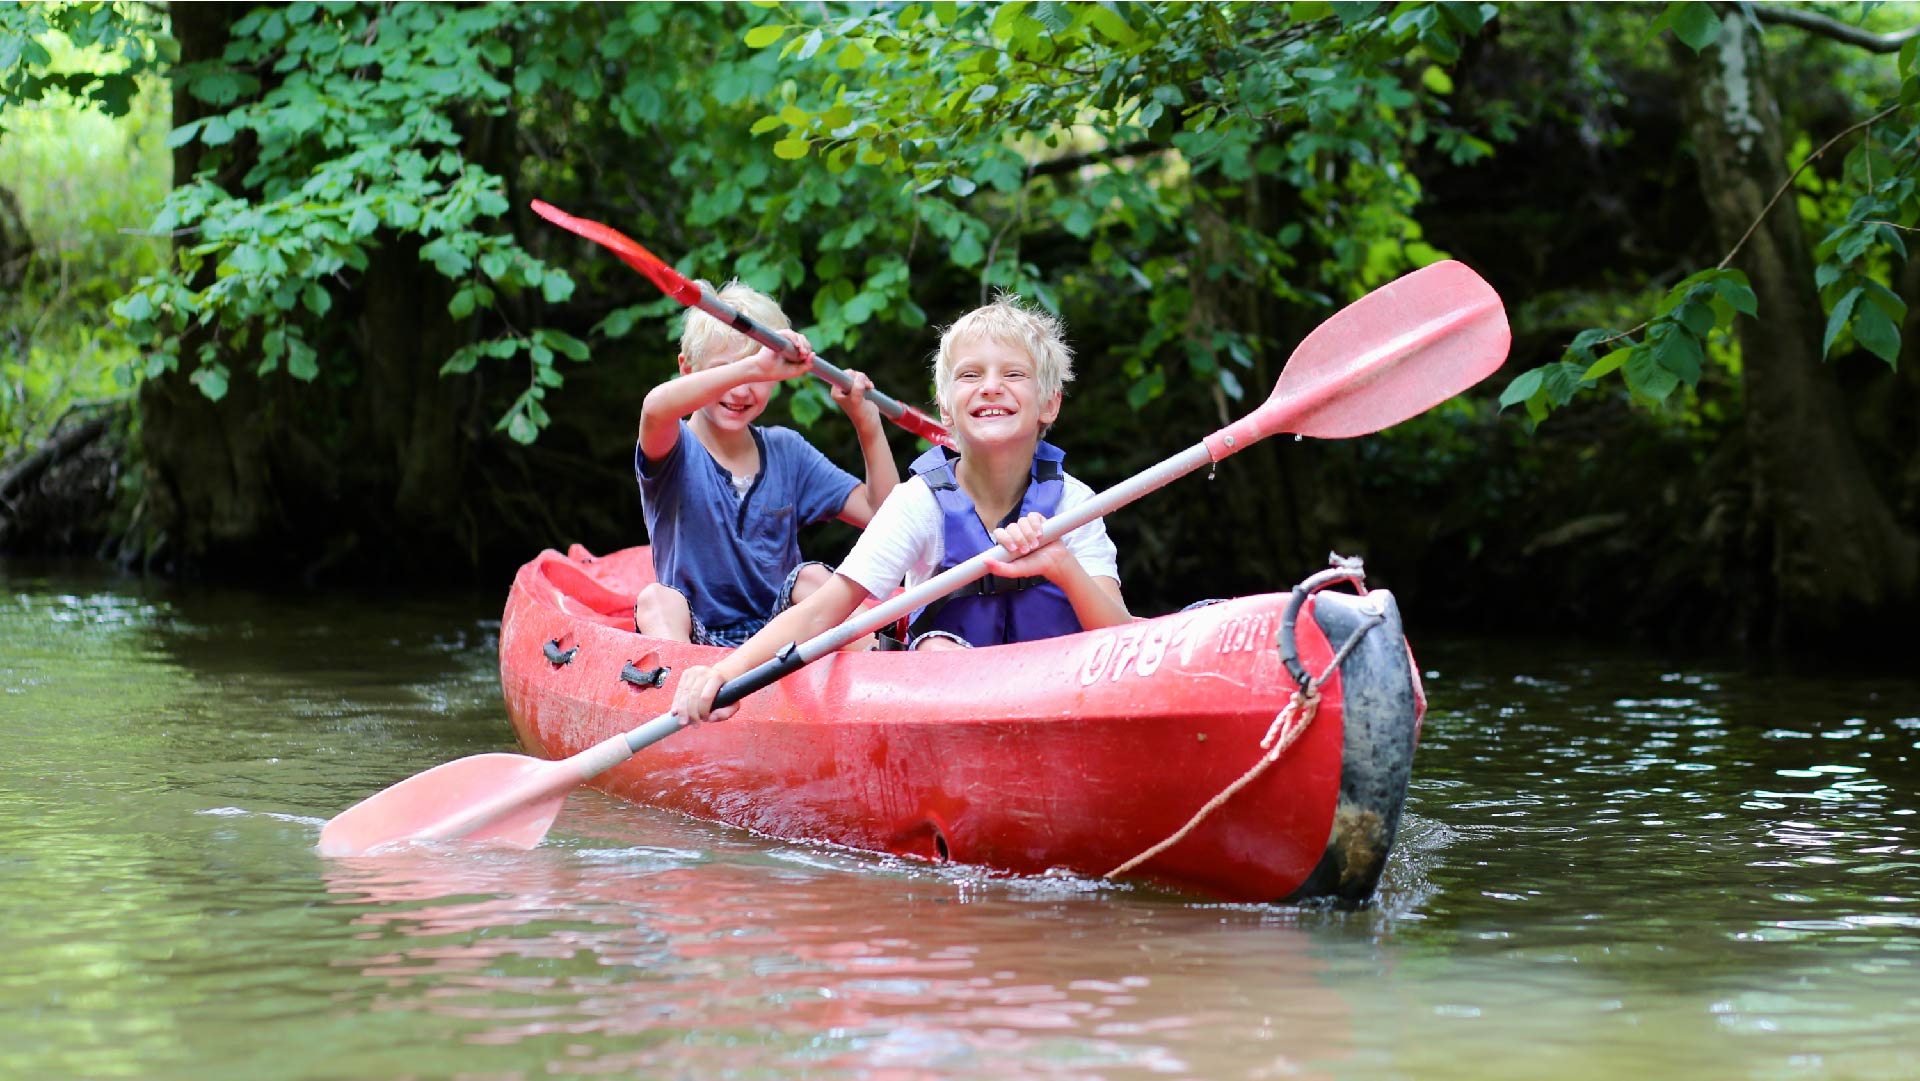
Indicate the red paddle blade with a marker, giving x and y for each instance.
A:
(528, 790)
(671, 282)
(1393, 354)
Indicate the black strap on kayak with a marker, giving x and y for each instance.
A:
(990, 586)
(645, 677)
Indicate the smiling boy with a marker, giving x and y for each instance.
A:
(725, 498)
(999, 377)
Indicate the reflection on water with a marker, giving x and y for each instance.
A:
(765, 956)
(1612, 865)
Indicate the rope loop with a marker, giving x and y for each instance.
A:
(1288, 726)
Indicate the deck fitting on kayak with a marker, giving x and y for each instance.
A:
(557, 656)
(645, 677)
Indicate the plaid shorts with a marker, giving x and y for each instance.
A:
(735, 634)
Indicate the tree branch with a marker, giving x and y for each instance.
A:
(1070, 162)
(1826, 26)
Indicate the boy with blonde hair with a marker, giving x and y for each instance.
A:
(999, 376)
(725, 498)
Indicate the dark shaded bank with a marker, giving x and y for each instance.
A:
(1477, 526)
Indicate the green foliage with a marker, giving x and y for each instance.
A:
(1125, 125)
(835, 156)
(128, 37)
(1669, 351)
(355, 142)
(83, 182)
(1862, 213)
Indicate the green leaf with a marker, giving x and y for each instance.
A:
(302, 361)
(521, 429)
(850, 57)
(462, 360)
(1877, 333)
(1608, 364)
(1112, 24)
(791, 149)
(1739, 294)
(1523, 387)
(1680, 354)
(966, 250)
(765, 124)
(212, 381)
(805, 407)
(762, 36)
(1837, 321)
(136, 308)
(548, 341)
(1147, 387)
(218, 131)
(1696, 317)
(1646, 376)
(1695, 24)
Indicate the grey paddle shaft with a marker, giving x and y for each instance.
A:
(872, 619)
(868, 620)
(752, 328)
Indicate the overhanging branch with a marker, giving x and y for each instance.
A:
(1828, 26)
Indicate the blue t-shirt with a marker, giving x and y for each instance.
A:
(730, 555)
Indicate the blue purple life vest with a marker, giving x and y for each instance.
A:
(993, 611)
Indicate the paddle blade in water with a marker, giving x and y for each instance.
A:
(523, 793)
(671, 282)
(1393, 354)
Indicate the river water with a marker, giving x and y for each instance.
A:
(1613, 865)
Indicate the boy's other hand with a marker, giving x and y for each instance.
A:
(864, 414)
(693, 697)
(769, 366)
(1032, 555)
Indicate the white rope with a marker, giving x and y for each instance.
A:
(1288, 725)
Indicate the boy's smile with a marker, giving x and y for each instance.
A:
(737, 408)
(994, 397)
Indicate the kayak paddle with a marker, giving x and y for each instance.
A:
(1393, 354)
(695, 295)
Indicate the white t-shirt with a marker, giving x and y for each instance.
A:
(906, 539)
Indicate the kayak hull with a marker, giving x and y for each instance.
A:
(1071, 754)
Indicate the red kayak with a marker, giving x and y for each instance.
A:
(1082, 753)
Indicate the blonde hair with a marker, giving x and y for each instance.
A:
(1010, 322)
(703, 336)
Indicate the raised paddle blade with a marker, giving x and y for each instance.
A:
(693, 295)
(671, 282)
(424, 806)
(1391, 355)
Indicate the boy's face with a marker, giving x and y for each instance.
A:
(742, 405)
(994, 398)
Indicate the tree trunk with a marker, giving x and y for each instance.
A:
(282, 477)
(198, 495)
(1835, 556)
(16, 244)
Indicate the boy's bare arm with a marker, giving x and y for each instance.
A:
(671, 402)
(822, 610)
(882, 474)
